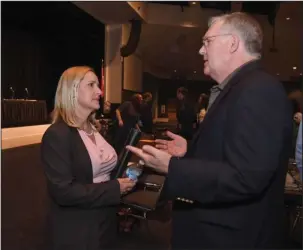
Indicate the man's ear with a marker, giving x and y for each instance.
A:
(235, 41)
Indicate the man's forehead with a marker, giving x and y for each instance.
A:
(213, 29)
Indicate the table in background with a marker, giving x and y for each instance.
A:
(19, 112)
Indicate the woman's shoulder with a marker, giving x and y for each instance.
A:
(58, 129)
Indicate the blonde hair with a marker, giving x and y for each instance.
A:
(246, 26)
(66, 99)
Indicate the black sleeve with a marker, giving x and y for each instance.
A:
(124, 106)
(253, 143)
(63, 187)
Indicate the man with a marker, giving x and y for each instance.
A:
(185, 114)
(232, 174)
(146, 113)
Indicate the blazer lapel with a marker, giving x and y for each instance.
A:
(232, 82)
(81, 156)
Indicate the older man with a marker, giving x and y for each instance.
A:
(228, 183)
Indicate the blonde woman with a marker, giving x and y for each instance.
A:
(77, 163)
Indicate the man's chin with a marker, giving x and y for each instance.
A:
(206, 71)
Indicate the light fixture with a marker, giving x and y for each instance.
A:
(175, 70)
(278, 74)
(193, 3)
(195, 72)
(300, 74)
(294, 67)
(287, 18)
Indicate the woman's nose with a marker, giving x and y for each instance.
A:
(99, 91)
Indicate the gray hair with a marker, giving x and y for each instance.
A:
(246, 27)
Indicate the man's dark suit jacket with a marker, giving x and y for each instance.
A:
(82, 214)
(235, 167)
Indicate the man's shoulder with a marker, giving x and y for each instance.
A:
(260, 79)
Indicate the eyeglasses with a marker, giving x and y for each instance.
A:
(206, 40)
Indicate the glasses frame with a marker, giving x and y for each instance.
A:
(206, 40)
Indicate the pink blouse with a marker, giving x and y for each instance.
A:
(102, 155)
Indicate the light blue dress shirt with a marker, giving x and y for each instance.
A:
(299, 149)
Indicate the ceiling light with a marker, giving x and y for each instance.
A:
(195, 72)
(287, 18)
(175, 70)
(278, 74)
(300, 74)
(189, 25)
(193, 2)
(294, 68)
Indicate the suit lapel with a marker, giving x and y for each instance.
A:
(81, 156)
(232, 82)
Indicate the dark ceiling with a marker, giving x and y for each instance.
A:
(261, 8)
(60, 18)
(181, 3)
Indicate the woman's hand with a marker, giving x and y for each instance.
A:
(126, 185)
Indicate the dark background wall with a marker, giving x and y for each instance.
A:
(167, 89)
(42, 39)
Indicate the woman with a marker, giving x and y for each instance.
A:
(77, 163)
(127, 115)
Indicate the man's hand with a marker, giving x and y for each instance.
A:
(152, 157)
(176, 147)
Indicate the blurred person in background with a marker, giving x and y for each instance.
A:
(202, 107)
(185, 114)
(146, 113)
(128, 117)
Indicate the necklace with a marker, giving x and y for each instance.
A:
(89, 134)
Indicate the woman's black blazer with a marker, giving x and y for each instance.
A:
(82, 213)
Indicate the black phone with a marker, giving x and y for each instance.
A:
(125, 155)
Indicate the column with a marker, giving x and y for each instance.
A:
(113, 65)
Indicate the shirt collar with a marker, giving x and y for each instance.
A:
(220, 87)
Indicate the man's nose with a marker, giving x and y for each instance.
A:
(202, 50)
